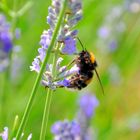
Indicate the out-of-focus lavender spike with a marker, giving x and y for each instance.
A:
(132, 6)
(87, 104)
(17, 33)
(103, 32)
(6, 44)
(111, 29)
(65, 130)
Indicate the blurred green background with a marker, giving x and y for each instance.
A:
(118, 115)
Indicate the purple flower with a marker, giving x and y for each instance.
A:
(113, 45)
(75, 6)
(17, 33)
(5, 35)
(35, 65)
(42, 53)
(5, 42)
(62, 75)
(88, 103)
(75, 15)
(111, 29)
(66, 73)
(69, 46)
(73, 21)
(74, 33)
(64, 83)
(66, 130)
(45, 39)
(132, 5)
(4, 134)
(17, 64)
(104, 32)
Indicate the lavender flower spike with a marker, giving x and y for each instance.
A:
(88, 103)
(5, 42)
(66, 130)
(66, 35)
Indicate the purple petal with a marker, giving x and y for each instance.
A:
(35, 65)
(45, 39)
(64, 83)
(69, 46)
(42, 53)
(4, 135)
(56, 128)
(103, 32)
(88, 103)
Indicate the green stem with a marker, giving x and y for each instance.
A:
(46, 114)
(15, 126)
(48, 99)
(25, 8)
(39, 76)
(3, 98)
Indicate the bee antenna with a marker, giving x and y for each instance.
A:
(99, 81)
(81, 43)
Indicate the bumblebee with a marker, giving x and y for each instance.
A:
(87, 66)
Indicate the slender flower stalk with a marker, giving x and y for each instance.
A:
(15, 126)
(46, 114)
(48, 101)
(39, 76)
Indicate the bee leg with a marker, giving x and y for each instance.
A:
(71, 63)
